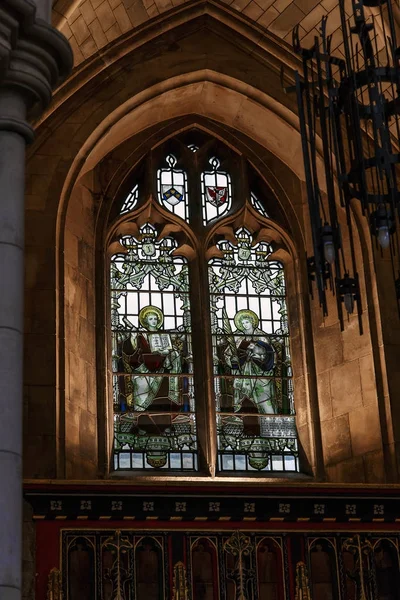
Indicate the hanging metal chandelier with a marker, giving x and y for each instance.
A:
(349, 110)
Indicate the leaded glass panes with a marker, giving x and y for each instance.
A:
(251, 356)
(130, 201)
(154, 408)
(173, 188)
(256, 204)
(216, 191)
(154, 416)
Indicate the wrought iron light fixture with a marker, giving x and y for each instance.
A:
(351, 102)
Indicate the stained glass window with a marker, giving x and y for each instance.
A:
(173, 188)
(252, 367)
(216, 192)
(256, 204)
(130, 201)
(154, 417)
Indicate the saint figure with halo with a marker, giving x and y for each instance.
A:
(148, 351)
(250, 353)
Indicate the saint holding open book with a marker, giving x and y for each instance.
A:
(147, 353)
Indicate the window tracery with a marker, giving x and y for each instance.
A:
(216, 191)
(156, 398)
(154, 416)
(130, 201)
(256, 204)
(172, 188)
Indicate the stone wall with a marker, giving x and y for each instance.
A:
(80, 348)
(214, 70)
(90, 25)
(348, 396)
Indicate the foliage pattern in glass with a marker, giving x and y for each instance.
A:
(154, 408)
(251, 356)
(152, 365)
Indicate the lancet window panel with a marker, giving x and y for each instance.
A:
(154, 413)
(252, 365)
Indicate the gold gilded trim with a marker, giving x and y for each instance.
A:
(302, 586)
(180, 589)
(54, 585)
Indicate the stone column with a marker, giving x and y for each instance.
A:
(33, 59)
(43, 10)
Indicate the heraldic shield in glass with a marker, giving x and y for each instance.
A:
(152, 357)
(173, 188)
(216, 190)
(251, 355)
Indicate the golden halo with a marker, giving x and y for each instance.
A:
(250, 314)
(150, 309)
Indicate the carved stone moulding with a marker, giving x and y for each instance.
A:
(34, 58)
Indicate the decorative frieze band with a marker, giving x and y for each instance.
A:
(141, 507)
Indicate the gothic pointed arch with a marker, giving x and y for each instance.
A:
(193, 235)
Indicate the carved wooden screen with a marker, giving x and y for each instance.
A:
(194, 211)
(228, 565)
(135, 565)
